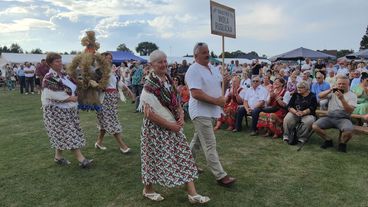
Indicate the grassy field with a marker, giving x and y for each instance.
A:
(269, 172)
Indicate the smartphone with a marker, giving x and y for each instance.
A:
(336, 89)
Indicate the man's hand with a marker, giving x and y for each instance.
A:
(220, 101)
(339, 95)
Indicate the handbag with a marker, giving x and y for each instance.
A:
(270, 109)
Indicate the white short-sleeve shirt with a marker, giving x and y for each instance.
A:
(253, 96)
(209, 81)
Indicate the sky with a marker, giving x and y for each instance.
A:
(269, 27)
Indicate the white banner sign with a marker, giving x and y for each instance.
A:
(222, 20)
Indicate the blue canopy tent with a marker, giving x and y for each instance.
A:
(302, 53)
(120, 56)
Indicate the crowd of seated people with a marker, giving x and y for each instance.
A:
(280, 97)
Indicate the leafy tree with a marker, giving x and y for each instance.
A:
(123, 47)
(237, 53)
(342, 53)
(213, 54)
(227, 55)
(145, 48)
(15, 48)
(73, 52)
(254, 53)
(36, 51)
(364, 42)
(4, 49)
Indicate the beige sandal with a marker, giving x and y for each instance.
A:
(153, 196)
(198, 199)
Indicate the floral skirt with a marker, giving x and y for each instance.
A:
(63, 127)
(229, 116)
(166, 157)
(271, 121)
(107, 117)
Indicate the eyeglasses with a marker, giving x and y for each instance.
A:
(301, 87)
(319, 77)
(255, 81)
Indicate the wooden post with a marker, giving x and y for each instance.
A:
(223, 65)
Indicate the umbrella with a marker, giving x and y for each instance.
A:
(300, 54)
(361, 54)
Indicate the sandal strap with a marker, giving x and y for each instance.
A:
(153, 196)
(62, 161)
(198, 199)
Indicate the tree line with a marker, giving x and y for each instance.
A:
(145, 49)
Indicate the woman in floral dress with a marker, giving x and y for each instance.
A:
(233, 100)
(165, 154)
(272, 121)
(107, 117)
(60, 112)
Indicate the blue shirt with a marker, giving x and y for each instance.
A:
(354, 82)
(318, 88)
(20, 72)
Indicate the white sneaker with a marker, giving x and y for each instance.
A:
(285, 138)
(365, 124)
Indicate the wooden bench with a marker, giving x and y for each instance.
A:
(360, 129)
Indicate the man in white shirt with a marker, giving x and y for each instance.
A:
(307, 65)
(29, 72)
(254, 100)
(343, 70)
(204, 83)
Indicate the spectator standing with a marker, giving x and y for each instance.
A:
(21, 78)
(29, 72)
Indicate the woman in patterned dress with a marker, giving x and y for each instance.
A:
(233, 100)
(107, 117)
(165, 154)
(272, 121)
(60, 112)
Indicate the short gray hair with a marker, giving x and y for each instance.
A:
(303, 84)
(157, 55)
(343, 77)
(197, 46)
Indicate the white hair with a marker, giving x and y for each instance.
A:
(156, 56)
(197, 46)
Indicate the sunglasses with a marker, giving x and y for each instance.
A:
(255, 81)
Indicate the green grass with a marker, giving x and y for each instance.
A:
(269, 172)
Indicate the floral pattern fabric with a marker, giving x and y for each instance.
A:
(63, 127)
(166, 156)
(107, 117)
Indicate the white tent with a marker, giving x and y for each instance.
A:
(33, 58)
(190, 60)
